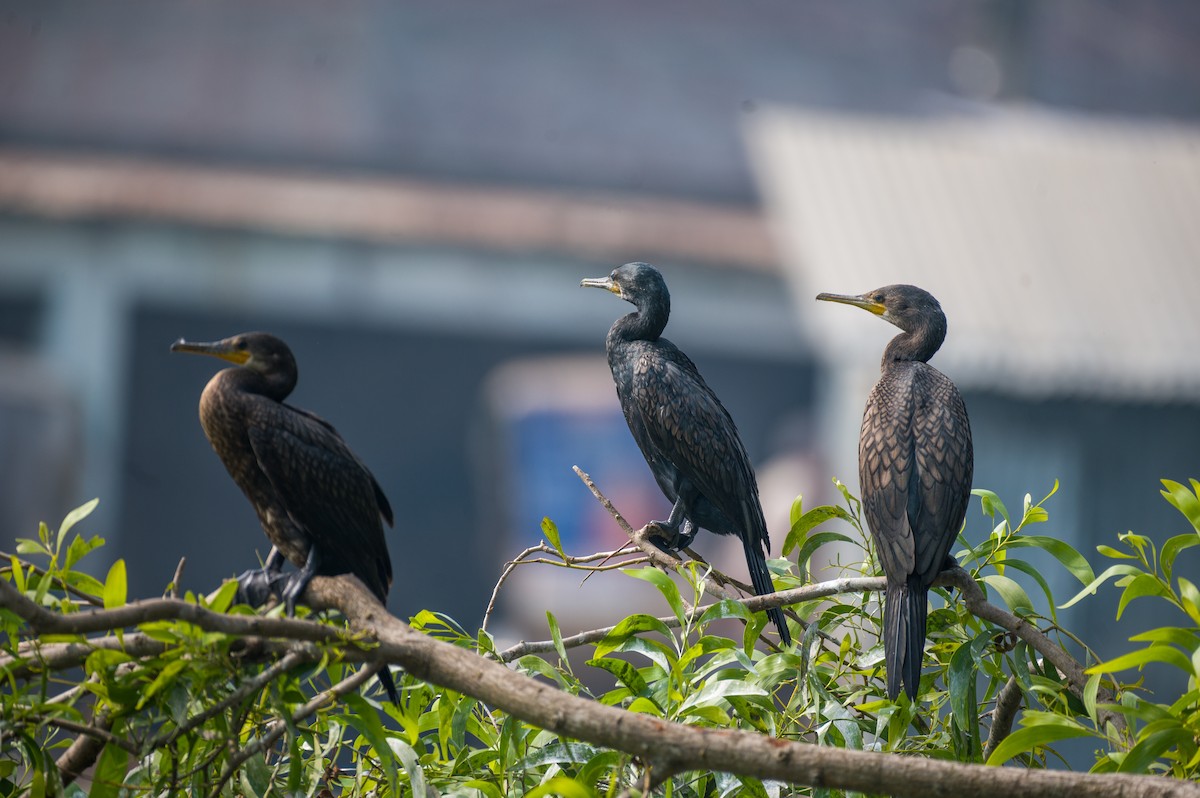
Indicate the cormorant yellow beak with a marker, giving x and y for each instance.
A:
(607, 283)
(222, 349)
(860, 301)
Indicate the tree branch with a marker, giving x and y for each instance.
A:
(1008, 701)
(276, 730)
(676, 748)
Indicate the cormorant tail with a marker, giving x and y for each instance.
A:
(389, 684)
(760, 578)
(904, 612)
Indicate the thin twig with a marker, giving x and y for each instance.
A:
(509, 567)
(92, 731)
(564, 561)
(175, 580)
(44, 621)
(714, 585)
(276, 730)
(297, 656)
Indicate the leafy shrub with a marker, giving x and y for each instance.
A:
(181, 709)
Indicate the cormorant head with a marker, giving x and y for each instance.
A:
(639, 283)
(912, 309)
(906, 306)
(257, 351)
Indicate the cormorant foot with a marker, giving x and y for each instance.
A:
(673, 538)
(256, 587)
(296, 584)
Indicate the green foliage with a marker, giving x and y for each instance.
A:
(180, 702)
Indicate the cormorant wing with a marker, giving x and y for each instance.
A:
(885, 464)
(328, 493)
(691, 429)
(385, 507)
(944, 468)
(915, 470)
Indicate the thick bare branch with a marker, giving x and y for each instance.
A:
(86, 747)
(43, 621)
(674, 748)
(1008, 701)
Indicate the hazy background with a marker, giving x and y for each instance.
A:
(410, 193)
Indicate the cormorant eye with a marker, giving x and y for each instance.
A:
(240, 343)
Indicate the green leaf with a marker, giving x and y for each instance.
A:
(1186, 639)
(814, 542)
(1191, 599)
(222, 598)
(1110, 572)
(714, 691)
(725, 608)
(412, 766)
(1184, 500)
(1072, 560)
(629, 627)
(1012, 593)
(1137, 659)
(810, 519)
(1171, 549)
(366, 720)
(550, 530)
(1140, 586)
(992, 505)
(27, 546)
(485, 787)
(1034, 574)
(163, 679)
(625, 672)
(556, 636)
(1035, 736)
(80, 548)
(74, 517)
(562, 787)
(1150, 747)
(964, 701)
(797, 510)
(1090, 690)
(110, 772)
(665, 586)
(18, 572)
(114, 586)
(256, 776)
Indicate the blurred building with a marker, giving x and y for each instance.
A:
(409, 195)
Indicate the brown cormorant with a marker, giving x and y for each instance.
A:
(915, 463)
(321, 508)
(686, 435)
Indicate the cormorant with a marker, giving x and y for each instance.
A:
(915, 463)
(321, 508)
(686, 435)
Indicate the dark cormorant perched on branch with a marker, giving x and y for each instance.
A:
(686, 435)
(915, 463)
(321, 508)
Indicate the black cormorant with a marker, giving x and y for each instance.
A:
(321, 508)
(686, 435)
(915, 463)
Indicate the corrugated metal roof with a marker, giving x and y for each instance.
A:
(1064, 250)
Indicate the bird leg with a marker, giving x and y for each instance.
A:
(256, 586)
(297, 583)
(681, 529)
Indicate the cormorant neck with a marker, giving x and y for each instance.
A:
(644, 324)
(276, 385)
(916, 345)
